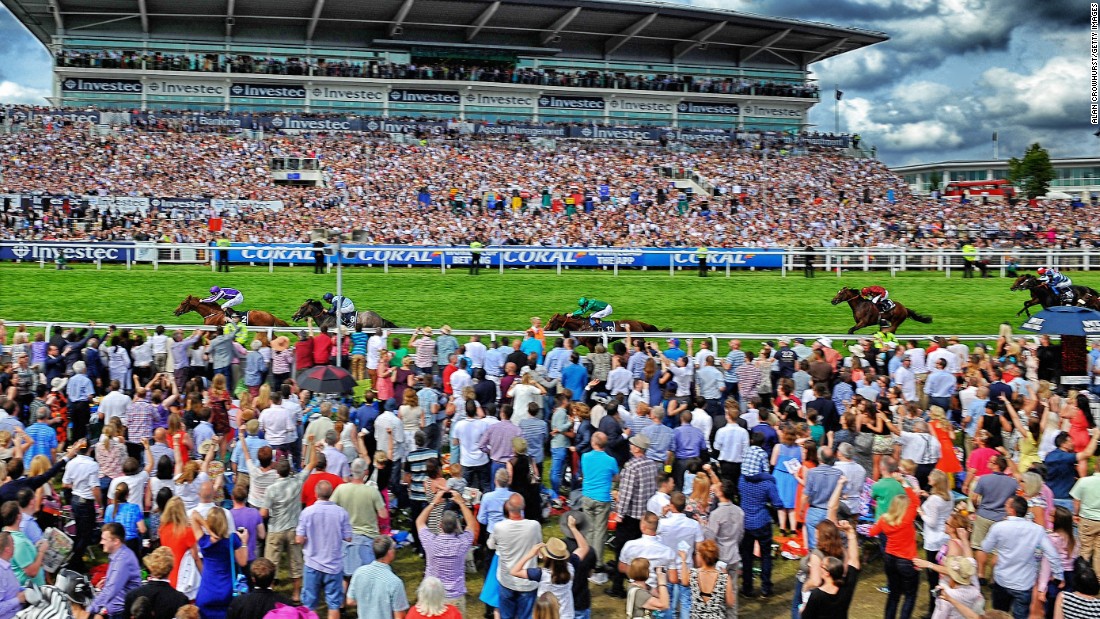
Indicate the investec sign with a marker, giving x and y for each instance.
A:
(87, 84)
(286, 91)
(44, 251)
(173, 87)
(702, 107)
(434, 97)
(572, 103)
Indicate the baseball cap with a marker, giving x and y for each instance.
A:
(675, 341)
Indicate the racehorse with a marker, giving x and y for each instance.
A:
(1042, 294)
(866, 313)
(316, 310)
(213, 314)
(573, 323)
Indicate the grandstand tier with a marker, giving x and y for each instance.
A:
(544, 61)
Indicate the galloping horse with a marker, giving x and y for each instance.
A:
(1041, 294)
(867, 314)
(316, 310)
(573, 323)
(212, 314)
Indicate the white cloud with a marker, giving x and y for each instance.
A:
(10, 92)
(1053, 95)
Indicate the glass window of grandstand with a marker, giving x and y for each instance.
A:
(265, 105)
(630, 118)
(497, 114)
(1076, 177)
(206, 104)
(106, 101)
(571, 116)
(345, 107)
(412, 110)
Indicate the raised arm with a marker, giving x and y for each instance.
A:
(149, 464)
(853, 543)
(518, 570)
(834, 499)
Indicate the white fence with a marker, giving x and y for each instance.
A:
(613, 259)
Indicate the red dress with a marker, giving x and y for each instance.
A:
(949, 462)
(1079, 431)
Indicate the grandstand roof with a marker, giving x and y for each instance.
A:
(607, 29)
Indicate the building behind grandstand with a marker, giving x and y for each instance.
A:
(544, 61)
(1078, 177)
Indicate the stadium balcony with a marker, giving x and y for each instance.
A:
(509, 74)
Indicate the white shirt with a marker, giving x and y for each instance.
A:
(476, 352)
(159, 344)
(633, 399)
(907, 380)
(962, 353)
(919, 447)
(82, 473)
(731, 441)
(375, 344)
(967, 397)
(946, 355)
(142, 355)
(114, 405)
(460, 379)
(136, 484)
(701, 359)
(684, 377)
(619, 381)
(652, 548)
(656, 503)
(276, 423)
(388, 420)
(701, 419)
(918, 364)
(676, 528)
(468, 431)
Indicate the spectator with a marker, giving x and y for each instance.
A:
(445, 552)
(838, 578)
(430, 602)
(224, 553)
(375, 589)
(364, 506)
(322, 530)
(639, 600)
(123, 574)
(1015, 541)
(512, 539)
(262, 598)
(160, 594)
(901, 549)
(599, 470)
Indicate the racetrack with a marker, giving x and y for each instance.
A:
(761, 302)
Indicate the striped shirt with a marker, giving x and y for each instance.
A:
(416, 464)
(425, 352)
(534, 432)
(734, 359)
(446, 559)
(660, 441)
(748, 375)
(497, 441)
(45, 442)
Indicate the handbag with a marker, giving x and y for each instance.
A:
(189, 577)
(240, 583)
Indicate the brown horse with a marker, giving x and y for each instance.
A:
(212, 314)
(316, 310)
(1041, 294)
(569, 323)
(867, 314)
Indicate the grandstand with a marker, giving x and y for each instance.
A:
(521, 61)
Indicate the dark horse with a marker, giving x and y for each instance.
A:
(1042, 294)
(316, 310)
(867, 314)
(213, 314)
(573, 323)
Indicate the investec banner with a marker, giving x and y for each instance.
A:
(399, 255)
(361, 94)
(404, 126)
(571, 103)
(433, 97)
(90, 84)
(703, 107)
(700, 136)
(591, 132)
(765, 110)
(270, 91)
(209, 88)
(630, 104)
(71, 251)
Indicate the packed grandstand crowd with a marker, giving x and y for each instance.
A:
(500, 73)
(450, 189)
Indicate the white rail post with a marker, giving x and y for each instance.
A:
(559, 263)
(386, 263)
(443, 263)
(672, 265)
(99, 264)
(156, 259)
(271, 263)
(615, 261)
(783, 265)
(500, 261)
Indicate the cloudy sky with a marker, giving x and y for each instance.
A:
(953, 72)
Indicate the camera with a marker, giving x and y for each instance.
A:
(448, 495)
(937, 591)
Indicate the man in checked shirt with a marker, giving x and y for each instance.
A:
(637, 483)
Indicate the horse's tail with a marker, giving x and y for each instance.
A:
(666, 330)
(386, 324)
(919, 317)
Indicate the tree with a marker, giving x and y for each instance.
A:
(1033, 173)
(935, 181)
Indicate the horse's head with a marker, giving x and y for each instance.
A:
(1025, 282)
(304, 311)
(186, 305)
(557, 321)
(844, 295)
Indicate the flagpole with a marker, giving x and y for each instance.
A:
(995, 149)
(836, 109)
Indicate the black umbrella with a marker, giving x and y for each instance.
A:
(326, 379)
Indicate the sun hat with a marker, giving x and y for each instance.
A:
(446, 329)
(280, 343)
(58, 383)
(640, 441)
(555, 549)
(960, 569)
(826, 342)
(857, 351)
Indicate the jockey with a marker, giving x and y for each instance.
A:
(1060, 284)
(599, 309)
(342, 308)
(877, 295)
(232, 297)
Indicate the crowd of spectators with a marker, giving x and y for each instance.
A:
(449, 189)
(499, 73)
(194, 451)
